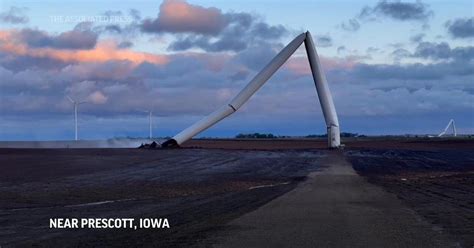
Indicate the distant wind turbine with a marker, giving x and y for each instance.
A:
(450, 123)
(150, 116)
(75, 114)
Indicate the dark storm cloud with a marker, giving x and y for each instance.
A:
(14, 15)
(397, 10)
(81, 37)
(461, 28)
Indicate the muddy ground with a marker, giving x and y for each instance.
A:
(210, 182)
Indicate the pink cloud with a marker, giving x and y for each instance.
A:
(97, 97)
(300, 65)
(180, 16)
(213, 61)
(104, 51)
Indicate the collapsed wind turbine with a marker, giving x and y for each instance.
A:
(75, 114)
(450, 123)
(325, 98)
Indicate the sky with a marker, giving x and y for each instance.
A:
(393, 67)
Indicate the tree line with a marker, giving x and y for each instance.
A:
(272, 136)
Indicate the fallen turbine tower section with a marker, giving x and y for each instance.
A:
(325, 98)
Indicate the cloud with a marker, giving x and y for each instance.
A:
(81, 37)
(104, 51)
(239, 75)
(97, 97)
(96, 71)
(417, 38)
(397, 10)
(351, 25)
(210, 29)
(341, 49)
(371, 50)
(461, 28)
(205, 43)
(415, 71)
(400, 53)
(256, 57)
(177, 16)
(299, 66)
(244, 31)
(127, 29)
(135, 14)
(184, 85)
(443, 51)
(210, 79)
(125, 44)
(14, 15)
(323, 41)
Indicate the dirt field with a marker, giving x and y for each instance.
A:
(349, 143)
(200, 190)
(438, 184)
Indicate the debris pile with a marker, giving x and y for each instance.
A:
(152, 145)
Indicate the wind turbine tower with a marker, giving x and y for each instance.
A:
(150, 122)
(75, 103)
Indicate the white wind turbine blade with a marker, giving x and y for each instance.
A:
(70, 99)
